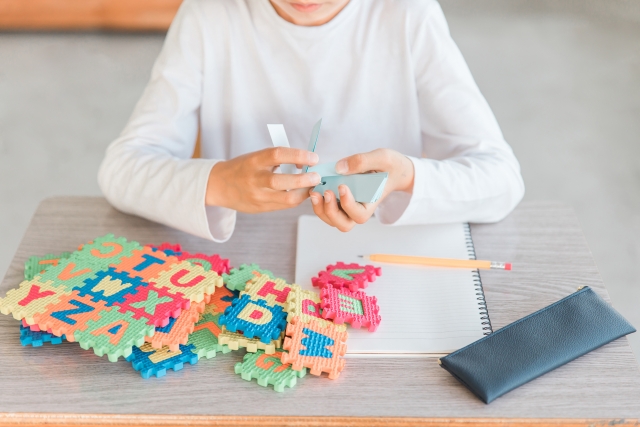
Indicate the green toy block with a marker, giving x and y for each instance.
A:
(237, 278)
(268, 369)
(205, 336)
(36, 265)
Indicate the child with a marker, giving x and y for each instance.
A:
(391, 86)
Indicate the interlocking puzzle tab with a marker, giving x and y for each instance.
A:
(255, 318)
(235, 341)
(351, 276)
(319, 348)
(237, 278)
(355, 308)
(177, 332)
(36, 265)
(273, 291)
(150, 361)
(205, 335)
(37, 338)
(268, 369)
(306, 305)
(208, 262)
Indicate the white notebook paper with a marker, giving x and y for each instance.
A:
(426, 311)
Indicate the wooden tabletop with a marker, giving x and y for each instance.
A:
(550, 258)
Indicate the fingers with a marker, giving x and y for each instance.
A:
(358, 212)
(282, 155)
(376, 160)
(281, 182)
(333, 215)
(287, 199)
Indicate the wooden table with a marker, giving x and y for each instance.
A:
(64, 385)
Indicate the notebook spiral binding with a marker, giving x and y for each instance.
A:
(477, 282)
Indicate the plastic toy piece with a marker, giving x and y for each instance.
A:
(316, 347)
(220, 300)
(273, 291)
(37, 338)
(350, 276)
(236, 340)
(114, 334)
(178, 330)
(191, 281)
(268, 369)
(305, 305)
(30, 299)
(145, 263)
(69, 274)
(155, 304)
(170, 249)
(237, 278)
(255, 318)
(111, 286)
(356, 308)
(72, 313)
(36, 265)
(150, 361)
(205, 336)
(104, 251)
(208, 262)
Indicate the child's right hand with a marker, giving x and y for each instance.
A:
(248, 183)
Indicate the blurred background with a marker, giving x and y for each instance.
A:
(562, 76)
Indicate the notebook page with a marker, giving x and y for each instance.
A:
(424, 309)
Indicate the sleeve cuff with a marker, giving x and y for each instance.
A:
(398, 207)
(215, 222)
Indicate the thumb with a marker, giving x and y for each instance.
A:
(375, 160)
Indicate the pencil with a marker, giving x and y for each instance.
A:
(437, 262)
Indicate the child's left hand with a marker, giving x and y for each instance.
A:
(347, 213)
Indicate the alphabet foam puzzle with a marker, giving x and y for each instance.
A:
(273, 291)
(37, 265)
(306, 305)
(351, 276)
(37, 338)
(319, 348)
(237, 278)
(177, 332)
(356, 308)
(268, 369)
(111, 293)
(255, 318)
(235, 341)
(150, 361)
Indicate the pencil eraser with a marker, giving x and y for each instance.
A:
(507, 266)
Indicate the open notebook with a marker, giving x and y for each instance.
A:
(426, 311)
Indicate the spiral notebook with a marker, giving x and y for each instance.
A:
(426, 311)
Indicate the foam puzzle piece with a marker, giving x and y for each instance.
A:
(205, 336)
(208, 262)
(37, 265)
(69, 315)
(319, 348)
(255, 318)
(37, 338)
(171, 249)
(111, 286)
(150, 361)
(104, 251)
(69, 274)
(236, 340)
(30, 299)
(351, 276)
(145, 263)
(273, 291)
(114, 334)
(155, 304)
(305, 305)
(178, 330)
(220, 300)
(237, 278)
(191, 281)
(268, 369)
(355, 308)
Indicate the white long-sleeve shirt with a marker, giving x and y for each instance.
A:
(382, 73)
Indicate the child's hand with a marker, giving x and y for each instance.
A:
(248, 182)
(348, 213)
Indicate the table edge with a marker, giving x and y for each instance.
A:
(122, 420)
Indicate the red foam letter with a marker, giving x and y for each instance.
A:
(269, 288)
(34, 294)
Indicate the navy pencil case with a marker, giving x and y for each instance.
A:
(536, 344)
